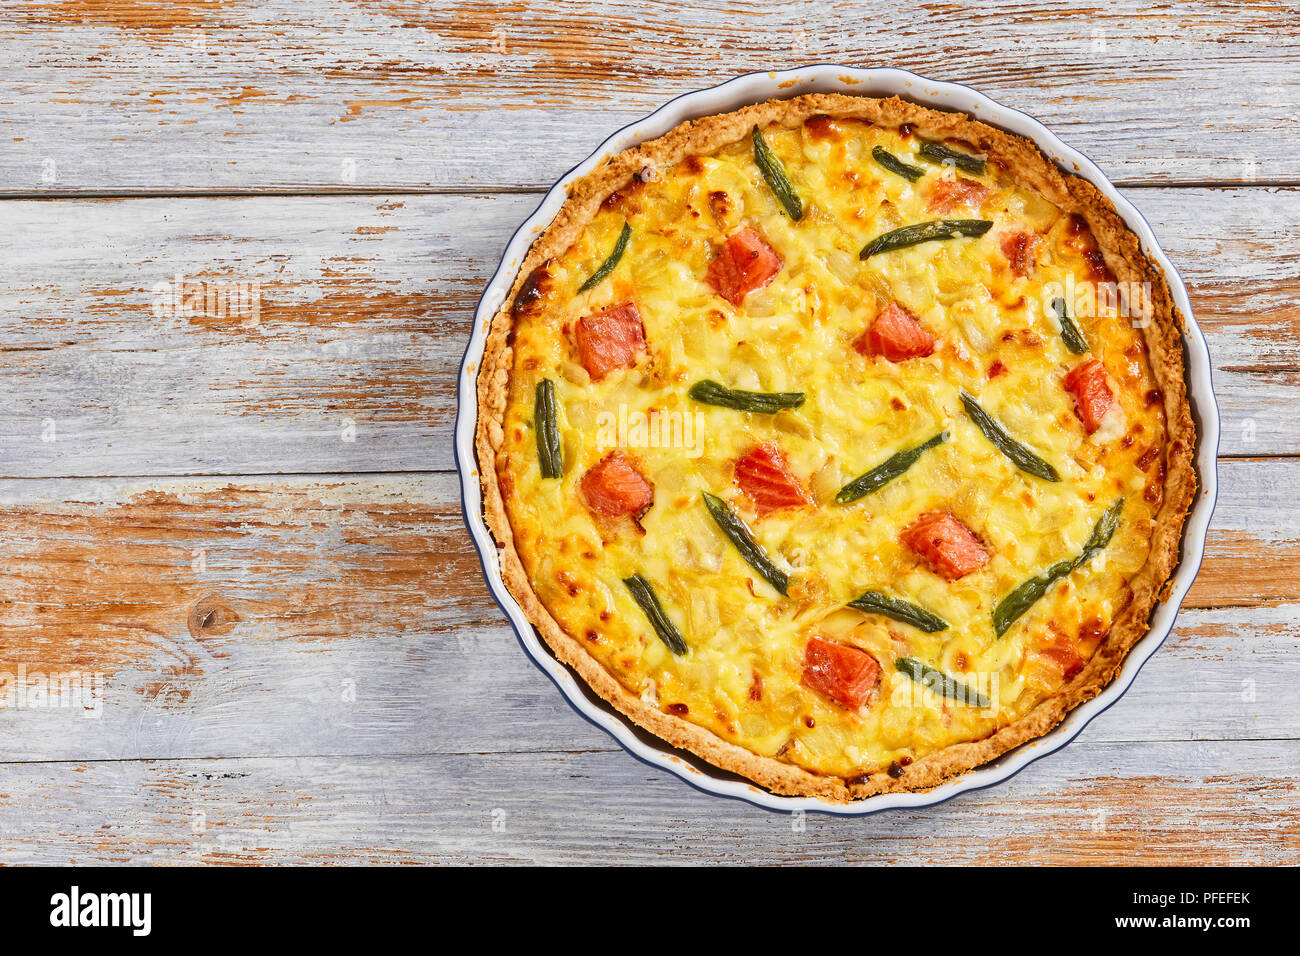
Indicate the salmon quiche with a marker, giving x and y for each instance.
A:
(841, 442)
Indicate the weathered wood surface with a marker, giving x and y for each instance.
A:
(250, 530)
(161, 95)
(1099, 803)
(362, 320)
(364, 312)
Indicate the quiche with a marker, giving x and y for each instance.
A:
(841, 442)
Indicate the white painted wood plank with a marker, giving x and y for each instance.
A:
(330, 93)
(365, 304)
(363, 319)
(1092, 803)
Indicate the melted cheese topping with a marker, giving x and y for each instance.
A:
(998, 340)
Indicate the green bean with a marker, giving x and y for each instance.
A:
(1026, 595)
(924, 232)
(887, 471)
(644, 596)
(608, 265)
(709, 392)
(1071, 334)
(873, 602)
(1020, 455)
(887, 160)
(1011, 607)
(1102, 532)
(944, 156)
(939, 682)
(774, 174)
(548, 430)
(739, 535)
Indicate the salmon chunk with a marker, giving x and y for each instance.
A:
(612, 338)
(744, 264)
(614, 488)
(946, 545)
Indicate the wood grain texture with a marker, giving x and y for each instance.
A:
(1096, 803)
(365, 305)
(248, 529)
(362, 322)
(226, 94)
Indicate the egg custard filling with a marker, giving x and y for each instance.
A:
(841, 442)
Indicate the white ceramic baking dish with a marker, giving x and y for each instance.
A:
(753, 88)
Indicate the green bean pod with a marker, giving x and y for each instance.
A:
(887, 471)
(608, 265)
(873, 602)
(547, 427)
(887, 160)
(1071, 334)
(942, 155)
(775, 177)
(1015, 604)
(731, 525)
(644, 596)
(709, 392)
(924, 232)
(1102, 532)
(1019, 455)
(939, 682)
(1011, 607)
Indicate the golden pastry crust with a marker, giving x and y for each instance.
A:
(1023, 161)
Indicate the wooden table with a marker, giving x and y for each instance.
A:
(249, 524)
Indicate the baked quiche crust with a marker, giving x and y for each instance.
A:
(1019, 160)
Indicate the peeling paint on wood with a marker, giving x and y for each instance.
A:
(335, 93)
(307, 588)
(97, 585)
(1145, 804)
